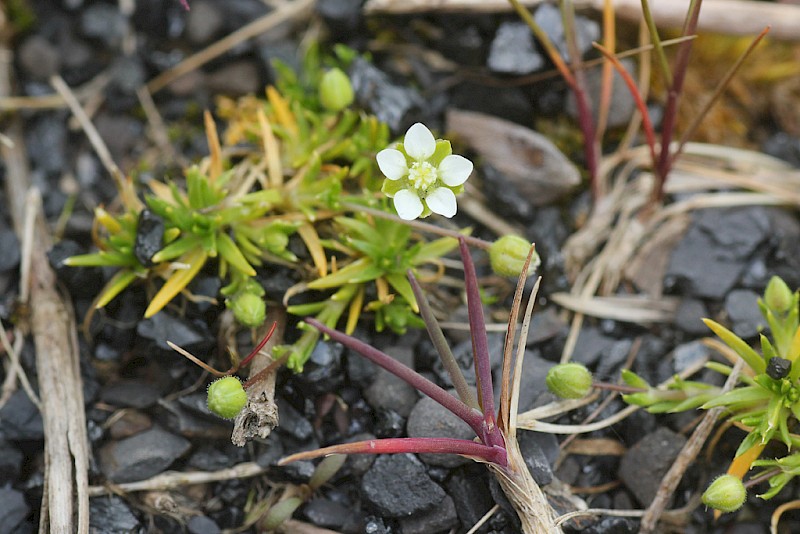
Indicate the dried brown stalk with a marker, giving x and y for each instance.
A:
(260, 415)
(55, 341)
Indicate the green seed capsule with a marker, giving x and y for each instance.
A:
(726, 494)
(778, 296)
(249, 309)
(569, 380)
(226, 397)
(335, 90)
(507, 256)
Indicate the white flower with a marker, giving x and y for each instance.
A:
(424, 177)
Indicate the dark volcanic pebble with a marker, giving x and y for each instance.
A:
(391, 103)
(130, 394)
(20, 419)
(513, 51)
(442, 518)
(201, 524)
(398, 486)
(389, 392)
(141, 456)
(644, 465)
(431, 419)
(10, 462)
(741, 305)
(13, 509)
(326, 513)
(725, 239)
(112, 514)
(149, 237)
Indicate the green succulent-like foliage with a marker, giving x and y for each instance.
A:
(282, 170)
(766, 399)
(381, 252)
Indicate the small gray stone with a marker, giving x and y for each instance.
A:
(621, 106)
(741, 305)
(104, 22)
(389, 392)
(130, 394)
(205, 20)
(688, 354)
(513, 51)
(112, 514)
(689, 315)
(238, 78)
(432, 420)
(13, 509)
(548, 17)
(398, 486)
(645, 464)
(141, 456)
(442, 518)
(540, 451)
(391, 103)
(20, 419)
(201, 524)
(38, 58)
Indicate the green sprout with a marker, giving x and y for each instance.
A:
(299, 165)
(766, 399)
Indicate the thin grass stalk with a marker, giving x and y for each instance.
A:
(718, 90)
(633, 89)
(673, 96)
(657, 44)
(442, 347)
(607, 80)
(506, 386)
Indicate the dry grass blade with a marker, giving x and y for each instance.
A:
(779, 511)
(172, 480)
(634, 309)
(66, 445)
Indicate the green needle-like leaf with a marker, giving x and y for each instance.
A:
(750, 357)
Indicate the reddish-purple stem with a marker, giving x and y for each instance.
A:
(259, 346)
(480, 347)
(671, 109)
(493, 454)
(462, 411)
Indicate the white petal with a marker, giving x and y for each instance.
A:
(419, 142)
(407, 204)
(454, 170)
(442, 201)
(392, 163)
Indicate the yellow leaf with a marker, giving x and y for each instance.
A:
(178, 280)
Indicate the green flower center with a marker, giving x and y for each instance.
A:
(422, 175)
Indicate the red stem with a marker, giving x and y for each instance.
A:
(417, 381)
(259, 346)
(671, 109)
(494, 454)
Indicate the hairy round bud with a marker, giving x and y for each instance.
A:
(569, 380)
(226, 397)
(335, 90)
(726, 494)
(249, 309)
(507, 256)
(778, 296)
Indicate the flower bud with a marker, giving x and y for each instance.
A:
(569, 380)
(508, 254)
(726, 494)
(778, 297)
(226, 397)
(249, 309)
(335, 90)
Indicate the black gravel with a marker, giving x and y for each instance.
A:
(144, 411)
